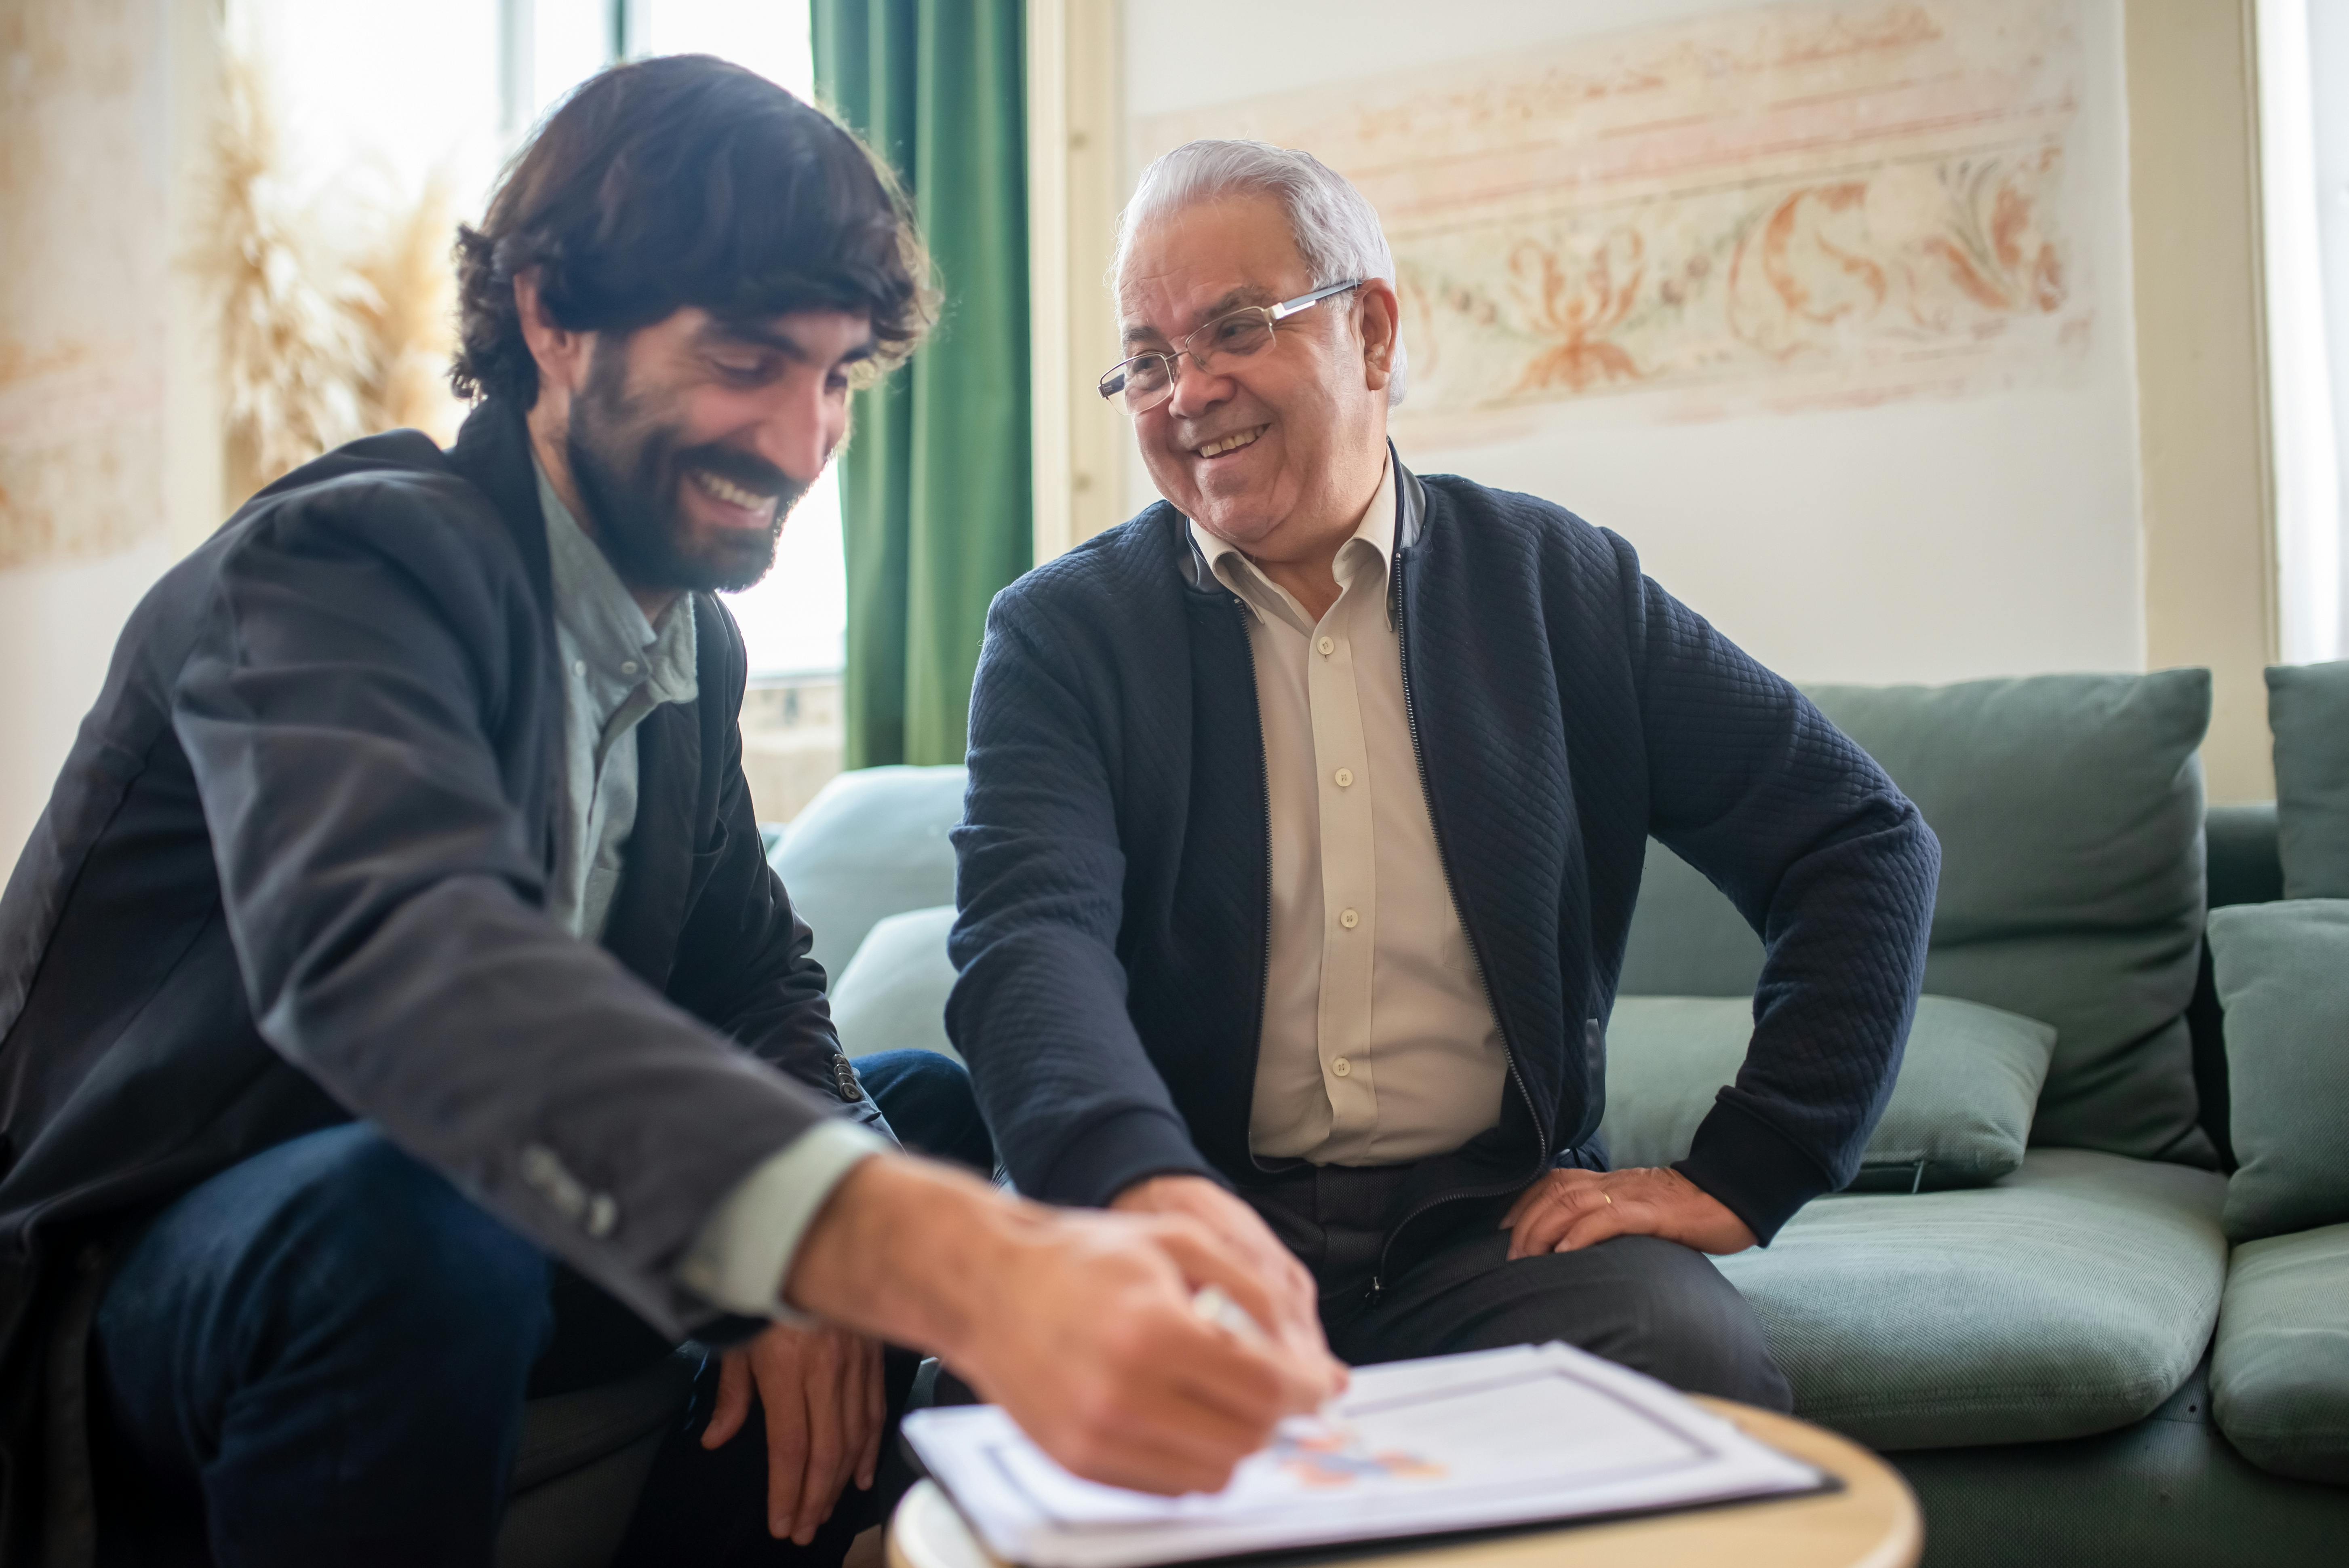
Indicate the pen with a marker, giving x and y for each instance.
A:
(1213, 1305)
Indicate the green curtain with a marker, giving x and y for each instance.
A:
(934, 483)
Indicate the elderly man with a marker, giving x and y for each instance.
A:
(1307, 814)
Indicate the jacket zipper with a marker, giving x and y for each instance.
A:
(1475, 948)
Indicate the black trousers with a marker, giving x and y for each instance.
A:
(1650, 1304)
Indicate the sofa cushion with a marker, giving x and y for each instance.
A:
(892, 994)
(1686, 940)
(1959, 1115)
(2282, 972)
(2069, 809)
(2071, 1297)
(2308, 710)
(582, 1464)
(872, 843)
(2279, 1371)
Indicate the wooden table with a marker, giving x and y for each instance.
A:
(1872, 1522)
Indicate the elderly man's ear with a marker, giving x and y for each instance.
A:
(1380, 314)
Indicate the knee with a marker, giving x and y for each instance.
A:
(373, 1238)
(1687, 1326)
(901, 1076)
(930, 1105)
(331, 1257)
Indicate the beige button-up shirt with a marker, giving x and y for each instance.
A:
(1378, 1043)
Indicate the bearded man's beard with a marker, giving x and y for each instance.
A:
(629, 468)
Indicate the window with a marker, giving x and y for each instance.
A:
(2304, 158)
(450, 91)
(453, 89)
(794, 622)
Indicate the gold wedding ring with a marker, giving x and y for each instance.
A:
(1609, 1196)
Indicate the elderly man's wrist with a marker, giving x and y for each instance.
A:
(1751, 1169)
(1114, 1154)
(1153, 1191)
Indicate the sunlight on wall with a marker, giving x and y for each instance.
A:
(2304, 148)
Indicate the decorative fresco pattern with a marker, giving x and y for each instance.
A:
(1807, 205)
(83, 255)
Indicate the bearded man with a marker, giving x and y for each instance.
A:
(1307, 813)
(398, 1017)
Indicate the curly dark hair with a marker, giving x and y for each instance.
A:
(685, 181)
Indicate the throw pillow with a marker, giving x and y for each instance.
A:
(2308, 710)
(2283, 981)
(872, 843)
(892, 994)
(1959, 1115)
(2069, 809)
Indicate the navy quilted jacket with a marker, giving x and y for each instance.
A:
(1115, 874)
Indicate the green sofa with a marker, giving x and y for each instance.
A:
(2018, 1304)
(2175, 1487)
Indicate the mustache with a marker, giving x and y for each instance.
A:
(755, 474)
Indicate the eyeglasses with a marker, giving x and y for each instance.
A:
(1146, 380)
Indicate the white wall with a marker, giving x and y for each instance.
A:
(107, 446)
(1926, 540)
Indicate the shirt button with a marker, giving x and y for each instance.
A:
(1349, 919)
(629, 668)
(1327, 645)
(1345, 777)
(578, 667)
(1341, 1066)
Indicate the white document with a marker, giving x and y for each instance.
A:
(1413, 1447)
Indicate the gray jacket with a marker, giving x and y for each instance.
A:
(292, 873)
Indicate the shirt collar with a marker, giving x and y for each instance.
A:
(1371, 547)
(604, 619)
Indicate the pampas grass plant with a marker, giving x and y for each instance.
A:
(408, 318)
(323, 339)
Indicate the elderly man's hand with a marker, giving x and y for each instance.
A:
(1569, 1209)
(825, 1408)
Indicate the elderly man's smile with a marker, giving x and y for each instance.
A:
(1225, 444)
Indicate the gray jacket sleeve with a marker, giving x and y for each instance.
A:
(355, 681)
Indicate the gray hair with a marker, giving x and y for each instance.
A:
(1336, 228)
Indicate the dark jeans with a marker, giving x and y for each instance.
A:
(1650, 1304)
(320, 1356)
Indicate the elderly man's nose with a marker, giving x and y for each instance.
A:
(1195, 389)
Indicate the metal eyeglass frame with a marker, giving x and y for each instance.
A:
(1112, 381)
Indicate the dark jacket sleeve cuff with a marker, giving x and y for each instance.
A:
(1112, 1156)
(1753, 1169)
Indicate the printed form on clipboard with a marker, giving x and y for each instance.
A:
(1527, 1435)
